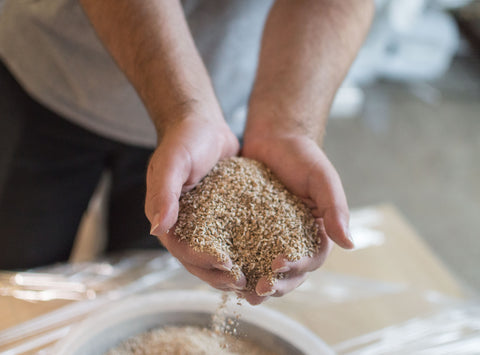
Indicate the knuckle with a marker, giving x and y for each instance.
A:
(280, 293)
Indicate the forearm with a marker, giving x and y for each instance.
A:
(151, 43)
(307, 49)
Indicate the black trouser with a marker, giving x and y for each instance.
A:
(49, 169)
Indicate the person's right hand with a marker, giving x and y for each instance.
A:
(187, 151)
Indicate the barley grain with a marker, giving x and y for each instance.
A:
(242, 210)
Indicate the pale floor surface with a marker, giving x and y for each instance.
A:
(418, 147)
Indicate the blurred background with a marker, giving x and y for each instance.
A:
(405, 125)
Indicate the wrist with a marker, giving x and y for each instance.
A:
(260, 146)
(189, 112)
(272, 127)
(286, 116)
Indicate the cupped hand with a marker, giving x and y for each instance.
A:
(188, 150)
(304, 169)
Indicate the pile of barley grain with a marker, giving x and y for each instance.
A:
(242, 210)
(186, 341)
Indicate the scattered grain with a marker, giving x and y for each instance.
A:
(186, 341)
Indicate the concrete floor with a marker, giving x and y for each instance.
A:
(418, 146)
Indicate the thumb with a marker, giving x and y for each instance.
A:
(335, 220)
(331, 203)
(168, 170)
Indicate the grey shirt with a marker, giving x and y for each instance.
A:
(54, 53)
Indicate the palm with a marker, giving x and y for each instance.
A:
(304, 169)
(291, 161)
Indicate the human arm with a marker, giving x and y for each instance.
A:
(307, 49)
(152, 45)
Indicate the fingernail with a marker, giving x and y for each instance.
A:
(222, 267)
(350, 237)
(282, 269)
(346, 231)
(266, 294)
(155, 224)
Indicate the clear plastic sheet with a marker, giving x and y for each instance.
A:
(88, 286)
(82, 281)
(454, 330)
(356, 310)
(450, 328)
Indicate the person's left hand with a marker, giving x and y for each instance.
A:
(305, 170)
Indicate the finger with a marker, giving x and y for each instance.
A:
(168, 170)
(187, 255)
(252, 297)
(221, 280)
(284, 286)
(280, 287)
(336, 220)
(307, 263)
(325, 187)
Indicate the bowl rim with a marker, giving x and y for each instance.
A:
(196, 301)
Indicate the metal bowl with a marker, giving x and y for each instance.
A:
(268, 328)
